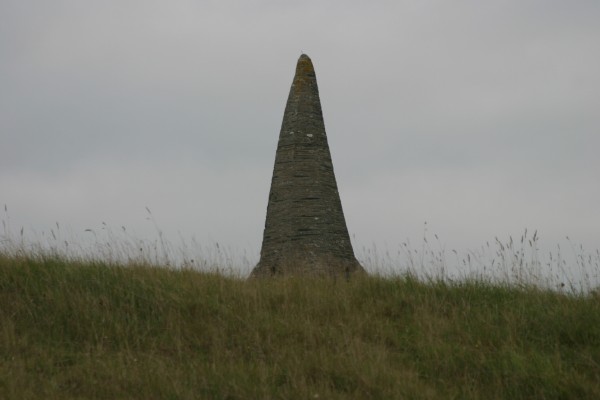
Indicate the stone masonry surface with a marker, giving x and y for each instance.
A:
(305, 230)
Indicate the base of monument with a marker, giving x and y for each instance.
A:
(322, 267)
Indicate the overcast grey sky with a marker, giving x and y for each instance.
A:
(481, 118)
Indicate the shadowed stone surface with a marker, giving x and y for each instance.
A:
(305, 230)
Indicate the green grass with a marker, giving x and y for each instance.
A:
(82, 330)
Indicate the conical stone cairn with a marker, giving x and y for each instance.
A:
(305, 229)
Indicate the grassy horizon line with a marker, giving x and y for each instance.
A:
(90, 329)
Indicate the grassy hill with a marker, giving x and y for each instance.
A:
(92, 330)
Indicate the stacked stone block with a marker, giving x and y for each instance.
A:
(305, 229)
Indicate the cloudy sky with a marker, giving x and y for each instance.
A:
(481, 118)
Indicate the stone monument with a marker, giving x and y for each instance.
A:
(305, 229)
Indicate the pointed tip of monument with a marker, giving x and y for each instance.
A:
(304, 59)
(304, 66)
